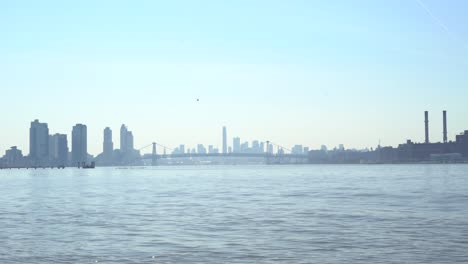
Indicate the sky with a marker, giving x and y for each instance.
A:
(292, 72)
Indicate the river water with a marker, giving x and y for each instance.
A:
(236, 214)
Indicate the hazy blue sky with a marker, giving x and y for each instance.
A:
(310, 72)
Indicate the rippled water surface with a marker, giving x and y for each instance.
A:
(236, 214)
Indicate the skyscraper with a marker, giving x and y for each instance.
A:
(51, 148)
(108, 145)
(297, 149)
(61, 144)
(255, 146)
(129, 141)
(201, 149)
(38, 141)
(270, 148)
(236, 145)
(123, 138)
(79, 144)
(244, 148)
(224, 140)
(126, 140)
(58, 150)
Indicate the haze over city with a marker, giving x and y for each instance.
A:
(306, 72)
(243, 131)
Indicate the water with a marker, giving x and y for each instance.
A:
(236, 214)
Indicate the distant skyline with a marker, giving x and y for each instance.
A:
(294, 72)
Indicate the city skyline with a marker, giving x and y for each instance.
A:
(246, 131)
(433, 129)
(49, 150)
(46, 145)
(305, 71)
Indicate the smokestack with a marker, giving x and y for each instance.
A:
(426, 122)
(445, 126)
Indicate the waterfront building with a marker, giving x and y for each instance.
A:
(224, 140)
(236, 145)
(79, 144)
(126, 140)
(130, 146)
(58, 150)
(123, 138)
(270, 148)
(13, 157)
(244, 148)
(108, 144)
(255, 146)
(297, 149)
(38, 142)
(201, 149)
(182, 149)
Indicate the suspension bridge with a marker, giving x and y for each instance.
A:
(283, 154)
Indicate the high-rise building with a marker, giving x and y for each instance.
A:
(38, 141)
(224, 140)
(175, 151)
(126, 140)
(51, 148)
(182, 149)
(79, 144)
(201, 149)
(58, 149)
(297, 149)
(270, 148)
(123, 138)
(108, 145)
(236, 145)
(13, 156)
(130, 141)
(255, 146)
(61, 148)
(244, 148)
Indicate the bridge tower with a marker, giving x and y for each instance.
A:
(154, 161)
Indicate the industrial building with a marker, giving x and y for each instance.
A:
(438, 151)
(445, 151)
